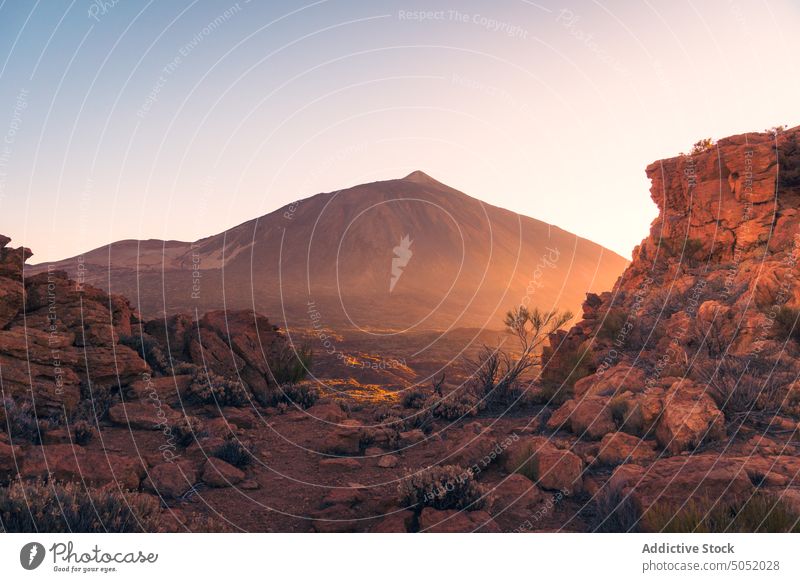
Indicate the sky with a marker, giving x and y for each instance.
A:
(176, 120)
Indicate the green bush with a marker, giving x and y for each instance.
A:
(761, 513)
(442, 487)
(71, 508)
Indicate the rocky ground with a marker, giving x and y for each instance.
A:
(673, 404)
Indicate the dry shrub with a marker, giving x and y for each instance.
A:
(442, 487)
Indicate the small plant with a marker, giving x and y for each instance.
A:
(457, 404)
(83, 432)
(562, 369)
(787, 324)
(233, 452)
(497, 373)
(150, 351)
(95, 402)
(22, 422)
(288, 365)
(303, 395)
(612, 324)
(34, 507)
(186, 430)
(207, 387)
(627, 415)
(442, 487)
(789, 163)
(703, 145)
(760, 513)
(615, 512)
(414, 398)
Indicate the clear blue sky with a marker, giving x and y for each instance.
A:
(179, 119)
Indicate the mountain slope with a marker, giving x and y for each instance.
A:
(397, 254)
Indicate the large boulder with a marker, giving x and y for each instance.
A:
(591, 417)
(671, 483)
(171, 480)
(617, 448)
(690, 417)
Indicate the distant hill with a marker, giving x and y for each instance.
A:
(391, 255)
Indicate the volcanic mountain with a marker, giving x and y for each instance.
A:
(402, 254)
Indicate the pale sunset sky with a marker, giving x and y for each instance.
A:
(177, 120)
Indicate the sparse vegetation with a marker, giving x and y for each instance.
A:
(95, 403)
(760, 513)
(745, 389)
(457, 404)
(614, 512)
(21, 421)
(442, 487)
(303, 394)
(32, 507)
(611, 324)
(233, 452)
(682, 248)
(497, 373)
(414, 398)
(289, 365)
(83, 432)
(562, 369)
(186, 430)
(703, 145)
(208, 387)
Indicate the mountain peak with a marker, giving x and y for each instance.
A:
(420, 177)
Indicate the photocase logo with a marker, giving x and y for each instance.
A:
(402, 254)
(31, 555)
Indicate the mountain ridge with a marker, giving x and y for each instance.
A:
(466, 256)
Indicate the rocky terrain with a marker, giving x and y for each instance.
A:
(671, 405)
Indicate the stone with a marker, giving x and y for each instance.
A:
(516, 494)
(591, 418)
(690, 417)
(344, 439)
(558, 470)
(171, 480)
(452, 521)
(397, 522)
(617, 448)
(340, 464)
(153, 415)
(75, 463)
(218, 473)
(388, 461)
